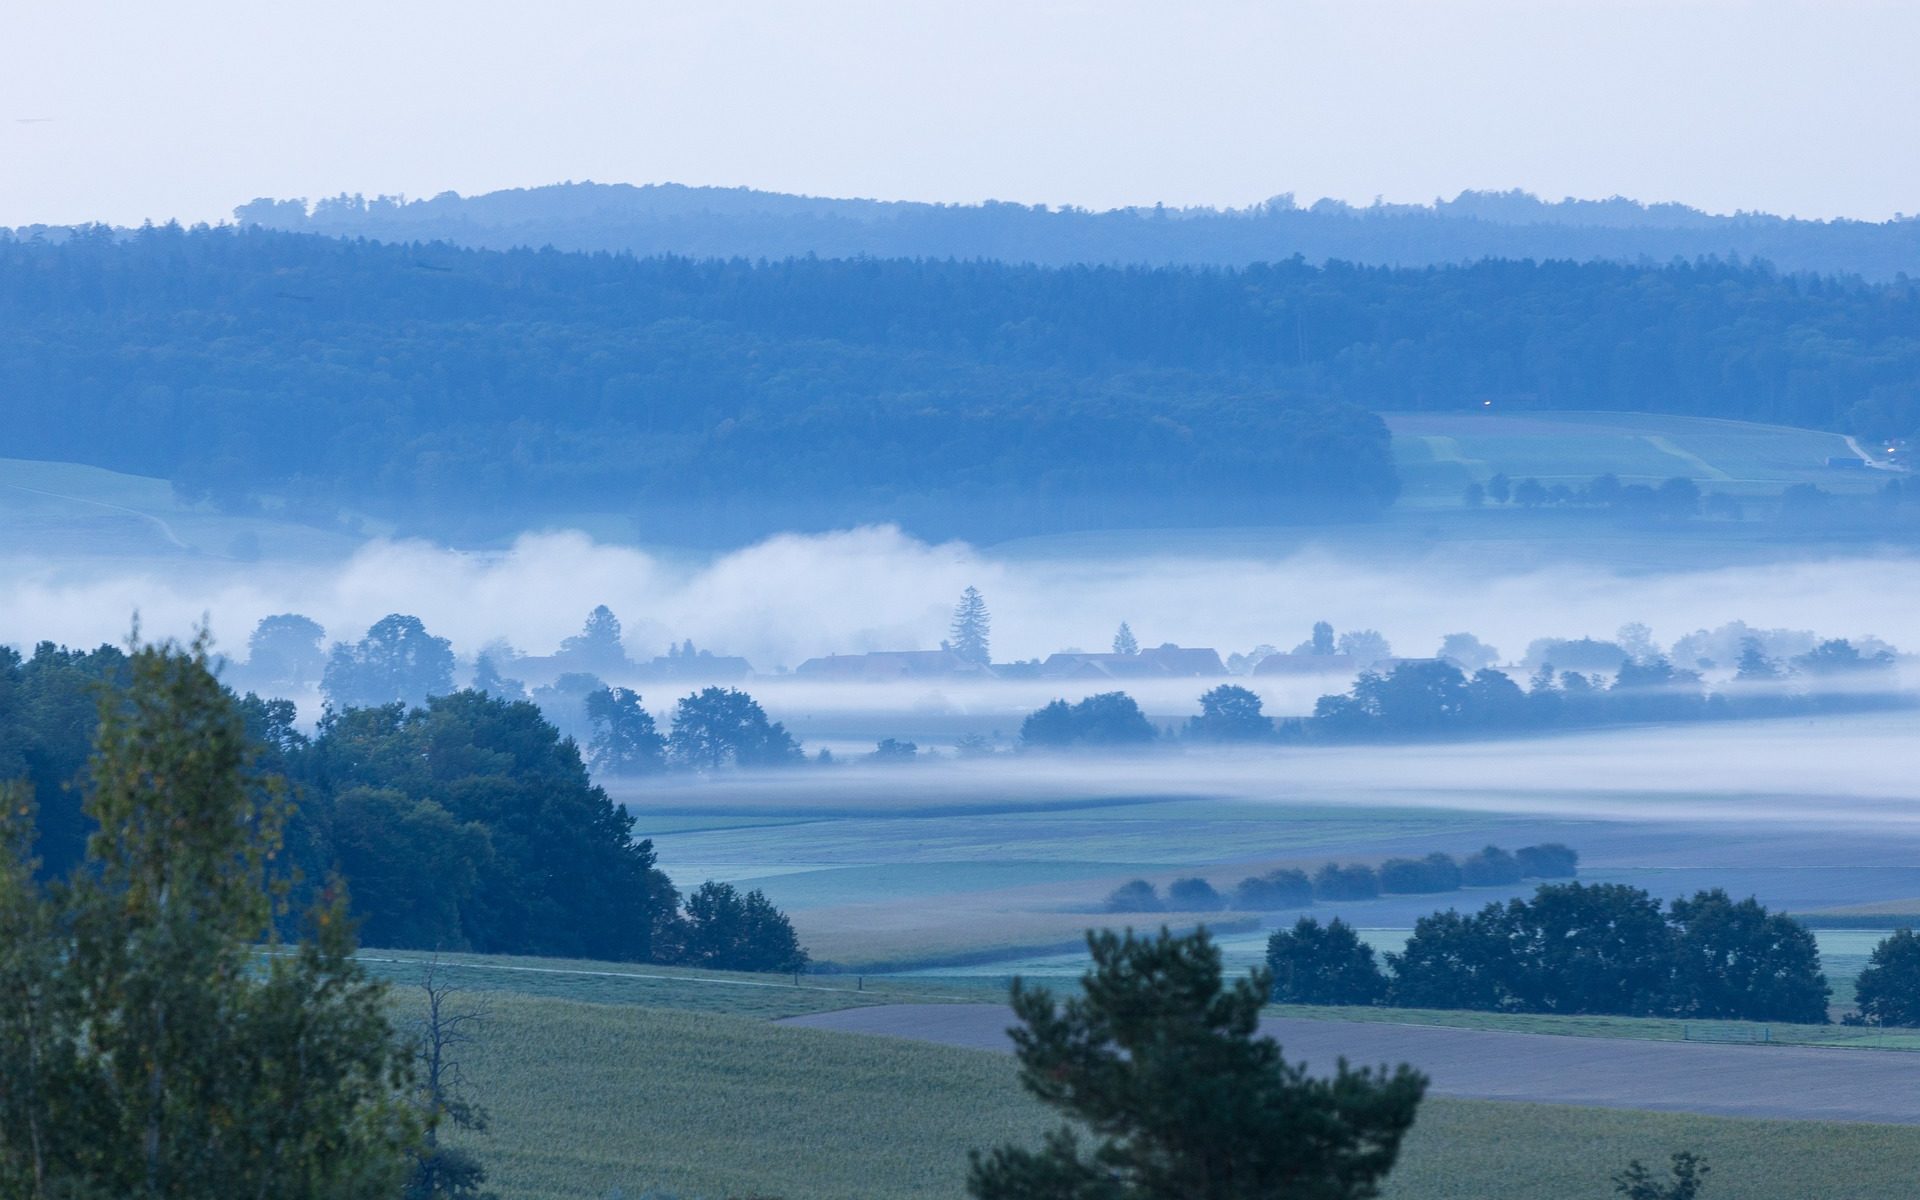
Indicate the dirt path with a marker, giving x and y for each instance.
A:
(1796, 1082)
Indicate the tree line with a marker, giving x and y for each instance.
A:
(442, 387)
(467, 822)
(1288, 887)
(1571, 948)
(712, 222)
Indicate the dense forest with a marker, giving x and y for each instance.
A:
(446, 388)
(708, 222)
(715, 400)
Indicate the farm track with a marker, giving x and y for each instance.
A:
(1784, 1082)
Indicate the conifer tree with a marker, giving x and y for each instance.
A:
(971, 627)
(1164, 1067)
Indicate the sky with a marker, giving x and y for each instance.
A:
(127, 111)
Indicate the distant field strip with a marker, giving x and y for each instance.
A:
(1704, 469)
(1789, 1082)
(1446, 449)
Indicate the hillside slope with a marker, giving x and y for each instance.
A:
(729, 222)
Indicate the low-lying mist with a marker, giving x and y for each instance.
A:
(793, 597)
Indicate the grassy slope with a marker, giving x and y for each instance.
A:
(600, 1100)
(65, 510)
(1437, 454)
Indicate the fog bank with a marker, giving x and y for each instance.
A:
(793, 597)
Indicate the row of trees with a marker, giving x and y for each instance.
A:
(1571, 948)
(708, 222)
(1291, 888)
(1675, 498)
(1424, 698)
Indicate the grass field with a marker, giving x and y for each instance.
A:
(60, 511)
(1438, 454)
(592, 1100)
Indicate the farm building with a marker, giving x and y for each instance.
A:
(1162, 662)
(882, 666)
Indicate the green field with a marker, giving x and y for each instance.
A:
(1438, 454)
(61, 511)
(596, 1100)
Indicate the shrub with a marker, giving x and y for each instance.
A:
(1274, 890)
(1136, 896)
(1490, 868)
(1354, 881)
(1193, 895)
(1434, 873)
(1549, 860)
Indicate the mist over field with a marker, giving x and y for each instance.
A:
(793, 597)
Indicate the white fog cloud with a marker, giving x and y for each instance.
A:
(792, 597)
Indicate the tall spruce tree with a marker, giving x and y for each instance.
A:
(1163, 1066)
(969, 634)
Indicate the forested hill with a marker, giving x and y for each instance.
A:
(462, 390)
(706, 222)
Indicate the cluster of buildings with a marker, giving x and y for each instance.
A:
(886, 666)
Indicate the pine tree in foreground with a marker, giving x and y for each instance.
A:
(1173, 1095)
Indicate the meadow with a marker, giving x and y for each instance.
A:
(593, 1100)
(936, 865)
(1438, 454)
(59, 511)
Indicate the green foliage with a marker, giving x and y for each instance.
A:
(1136, 895)
(1739, 960)
(1229, 713)
(1124, 642)
(1608, 948)
(563, 876)
(625, 740)
(1436, 872)
(1310, 964)
(156, 1054)
(415, 866)
(1108, 719)
(727, 400)
(970, 635)
(1491, 867)
(1689, 1176)
(1425, 699)
(1279, 888)
(1888, 990)
(397, 662)
(1193, 894)
(1353, 881)
(720, 727)
(723, 930)
(1162, 1065)
(597, 647)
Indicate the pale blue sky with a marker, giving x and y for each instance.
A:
(120, 111)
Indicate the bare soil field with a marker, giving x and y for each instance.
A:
(1791, 1082)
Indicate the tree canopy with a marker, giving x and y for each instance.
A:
(147, 1047)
